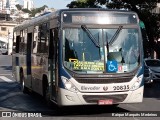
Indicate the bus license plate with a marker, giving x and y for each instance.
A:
(105, 102)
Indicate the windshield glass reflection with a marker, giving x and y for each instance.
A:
(81, 54)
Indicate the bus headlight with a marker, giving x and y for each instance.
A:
(68, 84)
(137, 84)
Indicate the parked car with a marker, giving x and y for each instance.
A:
(3, 48)
(151, 70)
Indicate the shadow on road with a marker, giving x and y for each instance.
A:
(152, 90)
(5, 70)
(12, 98)
(85, 111)
(6, 67)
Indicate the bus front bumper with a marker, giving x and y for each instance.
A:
(68, 98)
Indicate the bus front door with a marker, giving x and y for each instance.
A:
(52, 64)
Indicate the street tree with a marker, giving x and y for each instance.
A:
(37, 10)
(19, 7)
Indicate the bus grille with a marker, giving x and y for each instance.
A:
(95, 98)
(103, 80)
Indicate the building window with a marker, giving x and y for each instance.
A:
(3, 28)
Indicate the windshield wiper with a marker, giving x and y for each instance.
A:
(84, 27)
(115, 35)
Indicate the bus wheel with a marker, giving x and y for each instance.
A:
(23, 88)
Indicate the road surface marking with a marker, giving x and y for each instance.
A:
(5, 79)
(5, 74)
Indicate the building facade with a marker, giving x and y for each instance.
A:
(157, 9)
(2, 5)
(28, 4)
(7, 5)
(12, 4)
(6, 33)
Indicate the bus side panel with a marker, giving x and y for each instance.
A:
(39, 70)
(40, 57)
(36, 66)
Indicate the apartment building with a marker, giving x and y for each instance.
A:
(28, 4)
(7, 5)
(157, 9)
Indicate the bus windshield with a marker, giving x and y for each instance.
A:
(101, 50)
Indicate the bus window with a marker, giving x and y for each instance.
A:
(14, 43)
(17, 44)
(43, 38)
(35, 39)
(23, 41)
(78, 45)
(21, 46)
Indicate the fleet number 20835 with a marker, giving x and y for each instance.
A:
(121, 87)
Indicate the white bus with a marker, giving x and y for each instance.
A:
(81, 57)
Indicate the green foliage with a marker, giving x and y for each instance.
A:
(33, 11)
(19, 7)
(37, 10)
(142, 25)
(26, 11)
(83, 4)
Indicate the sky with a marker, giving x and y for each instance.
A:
(57, 4)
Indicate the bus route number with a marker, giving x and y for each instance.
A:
(121, 87)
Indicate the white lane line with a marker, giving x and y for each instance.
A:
(5, 79)
(5, 74)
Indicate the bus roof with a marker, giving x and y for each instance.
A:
(93, 9)
(55, 14)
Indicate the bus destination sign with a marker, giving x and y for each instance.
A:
(99, 18)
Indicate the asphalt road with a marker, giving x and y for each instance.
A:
(12, 99)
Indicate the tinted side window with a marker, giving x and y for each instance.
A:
(35, 39)
(43, 36)
(21, 46)
(17, 44)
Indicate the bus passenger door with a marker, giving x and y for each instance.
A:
(52, 63)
